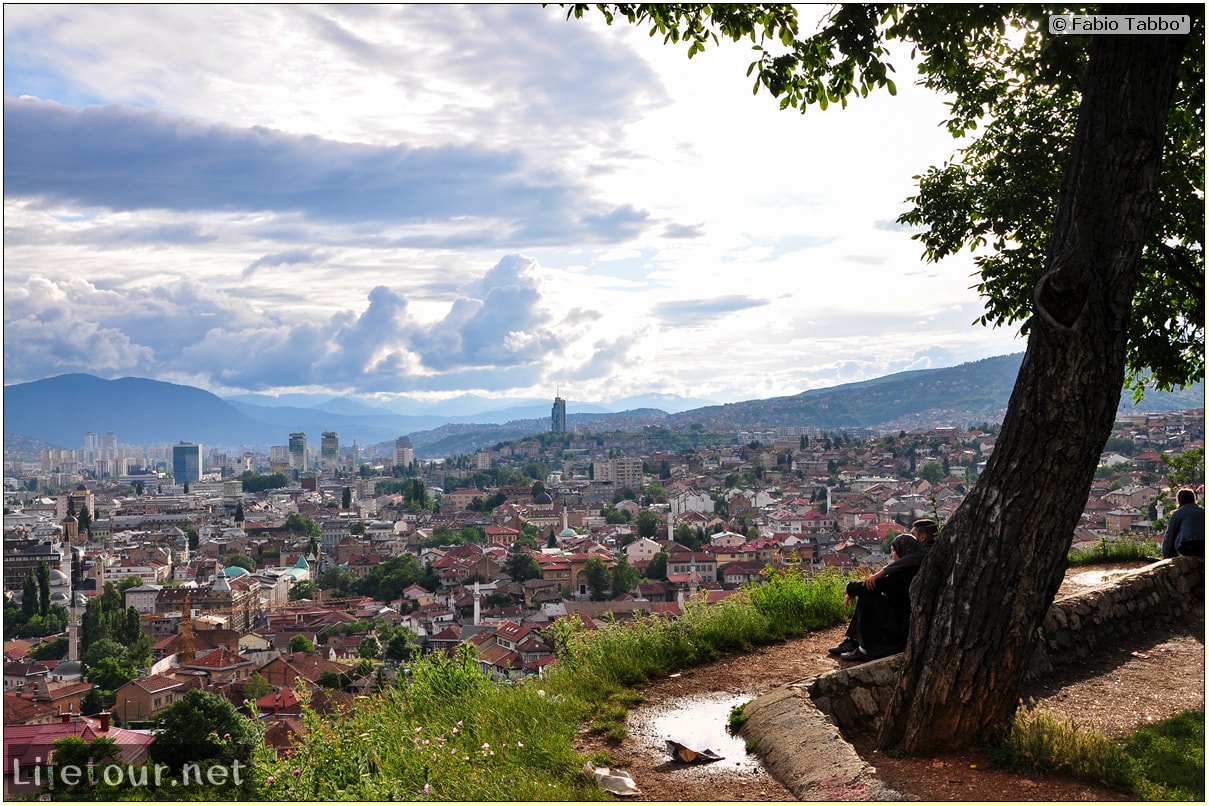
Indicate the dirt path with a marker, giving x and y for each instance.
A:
(1115, 691)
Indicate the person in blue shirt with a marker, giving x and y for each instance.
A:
(1186, 527)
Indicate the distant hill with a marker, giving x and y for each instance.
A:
(59, 411)
(961, 395)
(62, 409)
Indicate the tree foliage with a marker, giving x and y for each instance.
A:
(300, 524)
(201, 726)
(647, 523)
(521, 565)
(257, 482)
(598, 578)
(623, 577)
(240, 561)
(300, 643)
(656, 568)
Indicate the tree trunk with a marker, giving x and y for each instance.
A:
(981, 596)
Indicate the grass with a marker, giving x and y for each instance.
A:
(737, 719)
(600, 667)
(1161, 762)
(453, 734)
(1171, 757)
(1121, 549)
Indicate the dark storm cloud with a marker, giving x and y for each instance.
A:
(127, 159)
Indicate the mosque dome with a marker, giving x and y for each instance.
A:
(57, 578)
(543, 498)
(234, 571)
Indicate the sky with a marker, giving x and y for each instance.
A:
(420, 202)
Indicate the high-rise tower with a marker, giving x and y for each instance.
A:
(558, 415)
(329, 451)
(186, 462)
(298, 451)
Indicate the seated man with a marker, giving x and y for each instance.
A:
(923, 530)
(1186, 528)
(883, 611)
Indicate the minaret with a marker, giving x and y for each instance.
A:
(73, 628)
(478, 615)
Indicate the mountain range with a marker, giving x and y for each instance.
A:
(57, 412)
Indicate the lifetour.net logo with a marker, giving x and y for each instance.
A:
(50, 777)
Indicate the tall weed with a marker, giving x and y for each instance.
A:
(1042, 741)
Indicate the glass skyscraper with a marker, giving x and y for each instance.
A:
(186, 462)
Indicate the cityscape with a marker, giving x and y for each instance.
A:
(330, 567)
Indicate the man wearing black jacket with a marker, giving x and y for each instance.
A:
(883, 605)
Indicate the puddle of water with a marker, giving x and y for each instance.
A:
(1095, 577)
(697, 722)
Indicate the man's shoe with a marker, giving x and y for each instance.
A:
(857, 655)
(847, 645)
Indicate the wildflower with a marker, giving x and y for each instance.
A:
(520, 744)
(486, 746)
(420, 729)
(426, 789)
(269, 781)
(297, 772)
(459, 723)
(226, 736)
(541, 692)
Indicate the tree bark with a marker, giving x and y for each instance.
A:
(982, 593)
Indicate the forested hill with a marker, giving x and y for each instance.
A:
(967, 394)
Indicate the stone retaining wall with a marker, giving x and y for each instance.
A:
(1074, 627)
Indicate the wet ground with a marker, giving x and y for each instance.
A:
(698, 722)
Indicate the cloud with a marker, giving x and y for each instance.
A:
(677, 231)
(125, 159)
(501, 321)
(680, 313)
(497, 331)
(608, 357)
(866, 260)
(293, 257)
